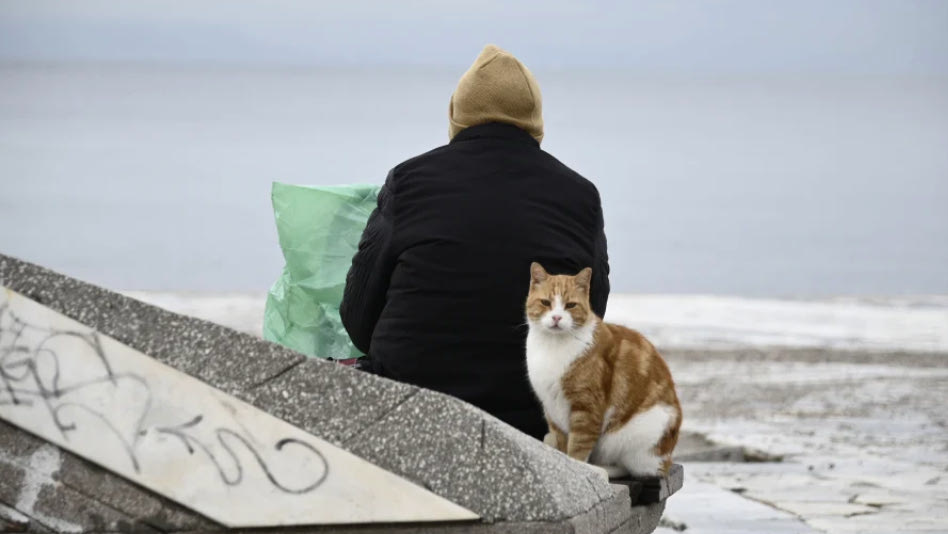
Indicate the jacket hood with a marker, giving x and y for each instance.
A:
(497, 88)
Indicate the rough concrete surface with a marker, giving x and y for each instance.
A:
(443, 444)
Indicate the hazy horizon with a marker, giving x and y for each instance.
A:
(741, 147)
(885, 37)
(142, 178)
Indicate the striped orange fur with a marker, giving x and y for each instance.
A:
(608, 395)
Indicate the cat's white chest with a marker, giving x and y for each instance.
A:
(548, 359)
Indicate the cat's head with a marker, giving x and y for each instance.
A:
(558, 304)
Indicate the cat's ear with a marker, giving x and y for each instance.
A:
(583, 279)
(537, 273)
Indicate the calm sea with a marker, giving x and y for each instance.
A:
(140, 177)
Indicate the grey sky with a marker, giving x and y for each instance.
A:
(649, 37)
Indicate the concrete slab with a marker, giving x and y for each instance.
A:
(177, 436)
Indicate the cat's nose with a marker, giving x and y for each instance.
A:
(556, 318)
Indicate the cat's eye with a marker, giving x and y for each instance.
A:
(544, 302)
(570, 305)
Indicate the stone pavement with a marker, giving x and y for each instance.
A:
(703, 508)
(863, 438)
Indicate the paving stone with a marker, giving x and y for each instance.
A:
(878, 497)
(708, 509)
(811, 508)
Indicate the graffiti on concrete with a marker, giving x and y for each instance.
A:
(176, 435)
(33, 378)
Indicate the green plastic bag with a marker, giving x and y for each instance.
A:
(319, 229)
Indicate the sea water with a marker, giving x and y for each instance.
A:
(158, 177)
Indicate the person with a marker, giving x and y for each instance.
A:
(435, 293)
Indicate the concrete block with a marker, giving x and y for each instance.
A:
(515, 483)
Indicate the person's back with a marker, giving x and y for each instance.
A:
(435, 294)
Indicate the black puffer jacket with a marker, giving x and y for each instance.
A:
(436, 292)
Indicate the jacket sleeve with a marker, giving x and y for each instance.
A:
(370, 273)
(599, 292)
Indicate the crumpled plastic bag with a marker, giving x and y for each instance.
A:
(319, 229)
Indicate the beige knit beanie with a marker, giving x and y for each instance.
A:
(497, 88)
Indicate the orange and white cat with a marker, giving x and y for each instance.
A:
(608, 396)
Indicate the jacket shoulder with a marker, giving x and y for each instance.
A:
(395, 173)
(561, 169)
(420, 158)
